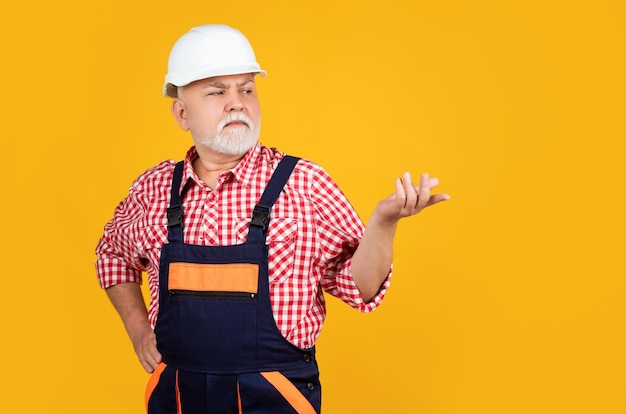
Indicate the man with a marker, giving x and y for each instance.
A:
(239, 241)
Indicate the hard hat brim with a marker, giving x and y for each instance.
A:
(174, 80)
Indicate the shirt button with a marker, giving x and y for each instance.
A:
(310, 386)
(307, 358)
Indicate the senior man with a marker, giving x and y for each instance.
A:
(239, 242)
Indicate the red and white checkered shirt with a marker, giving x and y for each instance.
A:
(312, 235)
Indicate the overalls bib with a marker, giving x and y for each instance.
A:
(222, 351)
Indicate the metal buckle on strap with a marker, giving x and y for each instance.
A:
(261, 216)
(175, 216)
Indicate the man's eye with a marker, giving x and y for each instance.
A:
(217, 93)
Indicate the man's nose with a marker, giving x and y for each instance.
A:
(235, 103)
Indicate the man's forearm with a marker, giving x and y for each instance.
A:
(372, 260)
(129, 303)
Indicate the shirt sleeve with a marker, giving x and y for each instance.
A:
(121, 251)
(118, 260)
(339, 232)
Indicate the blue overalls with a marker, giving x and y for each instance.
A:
(222, 351)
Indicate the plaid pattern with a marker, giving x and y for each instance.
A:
(312, 235)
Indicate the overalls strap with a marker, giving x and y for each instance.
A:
(175, 211)
(261, 212)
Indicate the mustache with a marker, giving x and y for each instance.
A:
(235, 116)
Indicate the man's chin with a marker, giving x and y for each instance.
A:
(230, 148)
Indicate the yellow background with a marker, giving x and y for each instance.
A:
(508, 299)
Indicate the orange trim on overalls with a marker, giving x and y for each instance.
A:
(293, 396)
(240, 408)
(154, 381)
(179, 408)
(229, 277)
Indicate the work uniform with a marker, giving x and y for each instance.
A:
(222, 351)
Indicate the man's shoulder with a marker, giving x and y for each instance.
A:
(308, 166)
(273, 156)
(156, 178)
(312, 170)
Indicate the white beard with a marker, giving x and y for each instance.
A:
(235, 141)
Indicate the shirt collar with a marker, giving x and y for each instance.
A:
(242, 171)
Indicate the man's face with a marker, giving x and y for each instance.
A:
(222, 113)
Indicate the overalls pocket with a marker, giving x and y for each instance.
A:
(213, 309)
(230, 279)
(281, 239)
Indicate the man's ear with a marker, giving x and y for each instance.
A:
(180, 113)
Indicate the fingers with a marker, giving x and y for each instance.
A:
(152, 358)
(424, 193)
(147, 366)
(400, 193)
(150, 361)
(147, 352)
(410, 191)
(437, 198)
(418, 197)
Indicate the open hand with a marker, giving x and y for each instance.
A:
(409, 199)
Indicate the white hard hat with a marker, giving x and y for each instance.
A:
(207, 51)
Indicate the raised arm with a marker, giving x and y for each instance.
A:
(372, 259)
